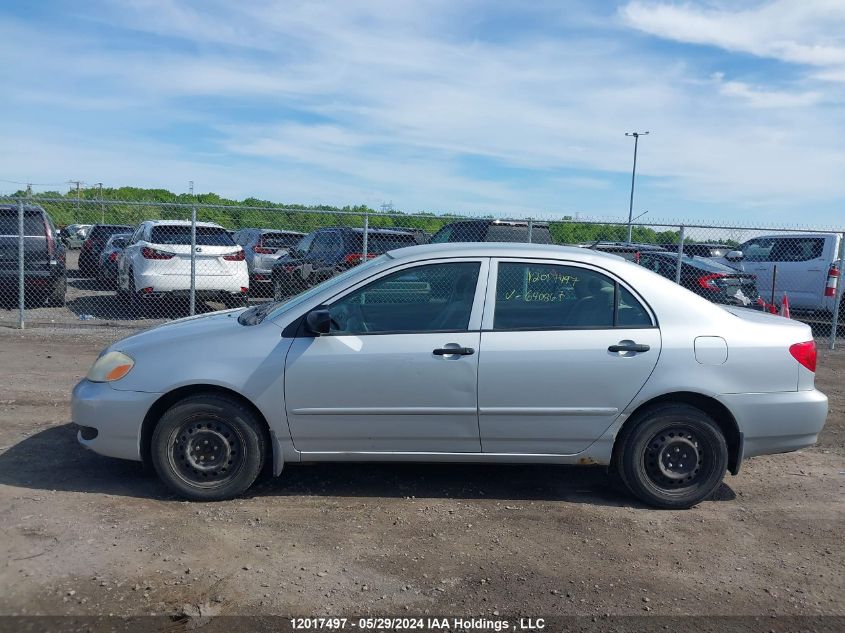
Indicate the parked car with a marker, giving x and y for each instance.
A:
(420, 235)
(156, 263)
(89, 256)
(709, 279)
(107, 268)
(74, 235)
(627, 250)
(45, 277)
(262, 247)
(700, 249)
(807, 267)
(493, 231)
(326, 252)
(462, 352)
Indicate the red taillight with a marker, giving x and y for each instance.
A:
(708, 281)
(353, 259)
(263, 250)
(153, 253)
(234, 257)
(51, 242)
(113, 256)
(637, 257)
(832, 279)
(805, 353)
(244, 290)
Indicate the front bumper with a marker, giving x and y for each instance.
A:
(777, 422)
(116, 415)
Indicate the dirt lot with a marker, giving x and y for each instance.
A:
(84, 534)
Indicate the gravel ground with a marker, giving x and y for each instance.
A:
(85, 534)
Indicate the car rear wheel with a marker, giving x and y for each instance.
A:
(57, 296)
(208, 448)
(673, 457)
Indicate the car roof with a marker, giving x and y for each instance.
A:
(182, 223)
(350, 229)
(489, 222)
(502, 249)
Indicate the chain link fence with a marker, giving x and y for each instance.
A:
(67, 261)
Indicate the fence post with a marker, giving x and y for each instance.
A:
(530, 231)
(366, 237)
(21, 293)
(680, 255)
(839, 294)
(193, 299)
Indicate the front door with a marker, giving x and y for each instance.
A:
(398, 371)
(565, 349)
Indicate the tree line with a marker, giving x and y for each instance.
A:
(94, 205)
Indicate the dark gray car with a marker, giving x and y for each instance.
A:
(45, 278)
(262, 247)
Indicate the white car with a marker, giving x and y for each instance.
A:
(156, 263)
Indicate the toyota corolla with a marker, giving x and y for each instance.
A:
(482, 352)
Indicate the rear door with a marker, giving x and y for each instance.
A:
(559, 357)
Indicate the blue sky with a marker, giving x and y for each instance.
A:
(447, 106)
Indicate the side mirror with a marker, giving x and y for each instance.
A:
(734, 256)
(318, 322)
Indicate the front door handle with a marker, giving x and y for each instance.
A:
(456, 351)
(628, 347)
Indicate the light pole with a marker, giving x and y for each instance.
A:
(636, 136)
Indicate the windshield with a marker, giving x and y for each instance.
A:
(257, 314)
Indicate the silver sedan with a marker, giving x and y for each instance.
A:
(462, 353)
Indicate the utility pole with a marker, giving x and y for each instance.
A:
(102, 204)
(193, 293)
(636, 136)
(78, 183)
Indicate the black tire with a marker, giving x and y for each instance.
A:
(137, 306)
(57, 296)
(673, 456)
(208, 448)
(281, 289)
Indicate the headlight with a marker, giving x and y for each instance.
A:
(109, 367)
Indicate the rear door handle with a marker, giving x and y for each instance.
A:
(456, 351)
(628, 347)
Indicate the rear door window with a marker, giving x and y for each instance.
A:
(537, 296)
(796, 249)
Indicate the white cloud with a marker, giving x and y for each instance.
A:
(803, 32)
(362, 102)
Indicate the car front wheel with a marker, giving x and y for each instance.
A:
(673, 457)
(208, 448)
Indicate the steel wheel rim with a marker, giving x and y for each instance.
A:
(206, 452)
(676, 458)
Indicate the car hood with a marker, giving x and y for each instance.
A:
(203, 326)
